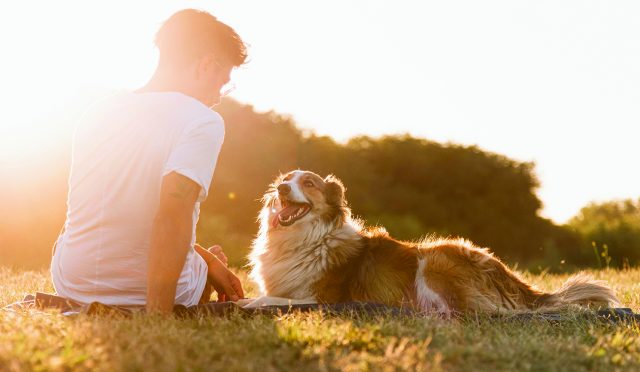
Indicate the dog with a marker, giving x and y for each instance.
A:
(309, 249)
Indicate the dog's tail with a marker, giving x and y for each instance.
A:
(581, 290)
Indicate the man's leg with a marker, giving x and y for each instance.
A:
(206, 293)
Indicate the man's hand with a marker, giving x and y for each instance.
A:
(224, 281)
(217, 251)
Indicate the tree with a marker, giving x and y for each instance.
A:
(612, 226)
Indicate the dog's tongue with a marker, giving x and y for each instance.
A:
(285, 212)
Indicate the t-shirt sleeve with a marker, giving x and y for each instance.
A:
(196, 154)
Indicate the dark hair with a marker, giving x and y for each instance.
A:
(190, 34)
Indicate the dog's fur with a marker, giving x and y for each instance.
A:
(327, 256)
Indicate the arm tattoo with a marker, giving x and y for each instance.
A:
(183, 190)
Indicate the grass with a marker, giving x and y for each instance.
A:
(315, 341)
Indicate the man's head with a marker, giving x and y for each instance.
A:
(201, 50)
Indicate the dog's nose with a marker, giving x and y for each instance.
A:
(284, 189)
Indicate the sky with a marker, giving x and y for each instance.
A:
(554, 82)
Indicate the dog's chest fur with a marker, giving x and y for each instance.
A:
(290, 263)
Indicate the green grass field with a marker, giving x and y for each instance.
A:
(315, 341)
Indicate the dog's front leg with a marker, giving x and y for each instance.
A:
(274, 301)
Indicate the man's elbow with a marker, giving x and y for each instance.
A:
(174, 221)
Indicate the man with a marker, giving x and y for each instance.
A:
(142, 162)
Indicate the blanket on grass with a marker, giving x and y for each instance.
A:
(45, 301)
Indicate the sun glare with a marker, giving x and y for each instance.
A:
(58, 59)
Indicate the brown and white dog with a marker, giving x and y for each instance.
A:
(309, 249)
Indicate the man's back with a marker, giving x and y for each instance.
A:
(123, 147)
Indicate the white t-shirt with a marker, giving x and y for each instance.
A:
(123, 146)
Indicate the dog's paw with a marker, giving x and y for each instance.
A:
(275, 301)
(244, 301)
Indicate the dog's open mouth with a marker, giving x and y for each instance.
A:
(290, 213)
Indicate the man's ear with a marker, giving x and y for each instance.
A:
(204, 64)
(334, 190)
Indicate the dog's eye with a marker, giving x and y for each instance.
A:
(308, 184)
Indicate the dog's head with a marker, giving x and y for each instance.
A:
(302, 196)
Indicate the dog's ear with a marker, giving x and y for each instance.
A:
(334, 190)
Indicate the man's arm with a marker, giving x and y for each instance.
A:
(170, 240)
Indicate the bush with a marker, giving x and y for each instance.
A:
(611, 228)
